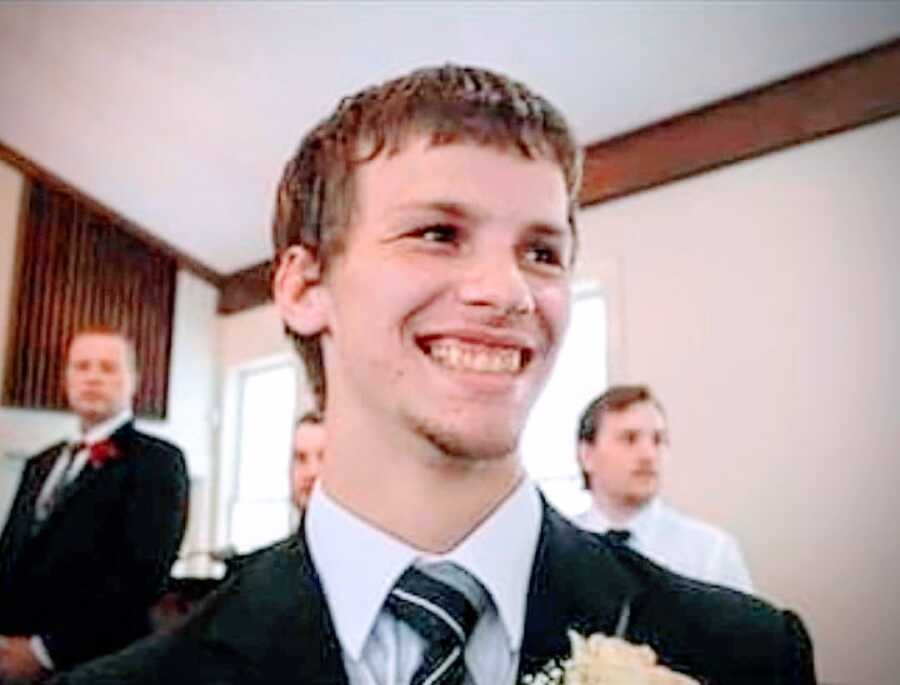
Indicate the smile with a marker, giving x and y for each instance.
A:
(478, 358)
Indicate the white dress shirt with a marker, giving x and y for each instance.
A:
(680, 543)
(66, 469)
(359, 564)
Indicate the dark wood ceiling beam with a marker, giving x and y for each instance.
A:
(184, 261)
(849, 92)
(843, 94)
(246, 288)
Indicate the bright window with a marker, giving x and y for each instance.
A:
(260, 507)
(549, 440)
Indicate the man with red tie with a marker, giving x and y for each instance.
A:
(94, 527)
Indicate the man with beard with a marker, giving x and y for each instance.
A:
(623, 447)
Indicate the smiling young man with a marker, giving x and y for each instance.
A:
(424, 236)
(94, 527)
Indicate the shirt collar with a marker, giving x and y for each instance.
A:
(103, 430)
(499, 553)
(642, 522)
(638, 525)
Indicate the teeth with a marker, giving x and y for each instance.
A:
(478, 358)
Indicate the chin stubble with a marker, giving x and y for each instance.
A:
(455, 445)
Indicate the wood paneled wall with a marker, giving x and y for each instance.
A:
(77, 268)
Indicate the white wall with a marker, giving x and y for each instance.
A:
(193, 380)
(762, 303)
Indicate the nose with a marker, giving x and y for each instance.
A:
(496, 284)
(649, 451)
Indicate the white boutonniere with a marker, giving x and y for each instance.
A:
(602, 660)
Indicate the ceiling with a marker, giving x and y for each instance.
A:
(180, 116)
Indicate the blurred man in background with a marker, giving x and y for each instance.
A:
(94, 527)
(308, 453)
(623, 446)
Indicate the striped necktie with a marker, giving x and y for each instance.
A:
(443, 617)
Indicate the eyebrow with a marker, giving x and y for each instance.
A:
(459, 210)
(447, 207)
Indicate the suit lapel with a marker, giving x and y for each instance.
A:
(35, 477)
(21, 517)
(85, 480)
(576, 584)
(273, 617)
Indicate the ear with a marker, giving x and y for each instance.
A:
(297, 291)
(583, 456)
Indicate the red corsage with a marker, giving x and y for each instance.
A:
(102, 452)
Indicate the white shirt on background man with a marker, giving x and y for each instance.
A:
(680, 543)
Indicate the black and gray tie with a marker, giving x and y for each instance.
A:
(443, 617)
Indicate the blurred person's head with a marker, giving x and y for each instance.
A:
(307, 457)
(100, 374)
(622, 444)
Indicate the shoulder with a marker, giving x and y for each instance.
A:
(131, 435)
(154, 450)
(267, 583)
(49, 453)
(678, 616)
(38, 465)
(693, 626)
(692, 527)
(230, 638)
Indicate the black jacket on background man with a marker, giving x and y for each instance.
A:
(84, 579)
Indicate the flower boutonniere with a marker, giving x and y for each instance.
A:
(602, 660)
(101, 452)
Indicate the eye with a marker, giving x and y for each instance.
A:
(438, 233)
(544, 253)
(631, 437)
(660, 439)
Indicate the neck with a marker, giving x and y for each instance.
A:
(619, 511)
(408, 489)
(87, 423)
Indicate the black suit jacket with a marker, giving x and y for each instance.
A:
(84, 580)
(270, 623)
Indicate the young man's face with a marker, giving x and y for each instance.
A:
(451, 295)
(306, 463)
(625, 459)
(99, 379)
